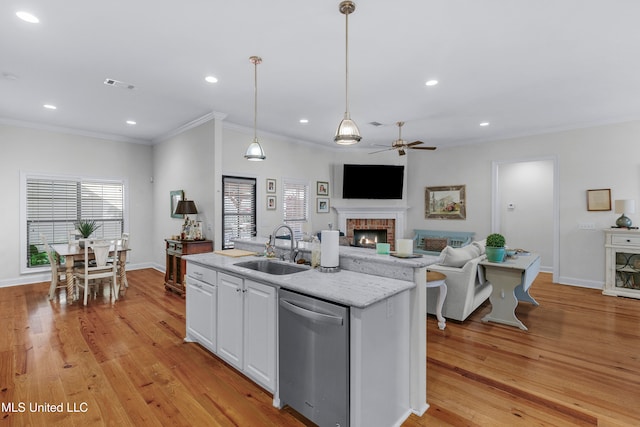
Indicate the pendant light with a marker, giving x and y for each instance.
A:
(348, 132)
(254, 151)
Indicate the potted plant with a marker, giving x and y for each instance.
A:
(495, 247)
(86, 227)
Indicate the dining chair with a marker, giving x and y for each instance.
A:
(58, 277)
(122, 277)
(98, 251)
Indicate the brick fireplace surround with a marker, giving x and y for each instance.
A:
(389, 225)
(391, 219)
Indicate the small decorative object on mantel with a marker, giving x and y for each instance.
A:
(623, 207)
(495, 247)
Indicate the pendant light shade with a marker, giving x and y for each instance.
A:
(254, 151)
(348, 132)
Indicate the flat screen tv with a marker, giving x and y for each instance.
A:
(372, 181)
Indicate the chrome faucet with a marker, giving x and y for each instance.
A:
(294, 244)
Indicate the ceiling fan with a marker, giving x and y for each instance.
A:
(401, 145)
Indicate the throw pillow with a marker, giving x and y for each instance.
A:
(457, 257)
(435, 244)
(481, 245)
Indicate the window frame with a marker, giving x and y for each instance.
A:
(254, 232)
(298, 230)
(26, 176)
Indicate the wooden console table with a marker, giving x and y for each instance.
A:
(511, 281)
(176, 267)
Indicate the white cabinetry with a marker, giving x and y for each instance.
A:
(622, 252)
(247, 327)
(201, 306)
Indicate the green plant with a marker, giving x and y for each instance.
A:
(495, 240)
(86, 227)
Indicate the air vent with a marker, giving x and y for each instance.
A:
(375, 124)
(117, 83)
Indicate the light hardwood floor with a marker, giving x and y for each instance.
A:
(127, 365)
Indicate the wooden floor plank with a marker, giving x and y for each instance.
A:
(577, 365)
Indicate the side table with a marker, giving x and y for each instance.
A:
(176, 267)
(436, 279)
(511, 281)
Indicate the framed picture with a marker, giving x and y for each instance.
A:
(176, 196)
(322, 205)
(271, 185)
(271, 203)
(322, 188)
(599, 200)
(445, 202)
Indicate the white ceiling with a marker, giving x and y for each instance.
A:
(525, 66)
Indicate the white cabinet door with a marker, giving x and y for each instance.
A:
(230, 304)
(201, 312)
(260, 333)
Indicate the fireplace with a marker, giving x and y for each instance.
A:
(368, 238)
(389, 218)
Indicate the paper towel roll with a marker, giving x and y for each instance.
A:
(329, 248)
(404, 246)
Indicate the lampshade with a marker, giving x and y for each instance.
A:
(625, 206)
(348, 132)
(254, 151)
(186, 207)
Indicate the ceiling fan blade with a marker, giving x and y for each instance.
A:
(380, 151)
(423, 148)
(413, 143)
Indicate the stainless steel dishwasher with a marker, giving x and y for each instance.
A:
(314, 358)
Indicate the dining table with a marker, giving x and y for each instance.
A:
(73, 253)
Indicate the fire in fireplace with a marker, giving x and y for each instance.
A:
(369, 238)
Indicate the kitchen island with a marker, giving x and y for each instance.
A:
(387, 310)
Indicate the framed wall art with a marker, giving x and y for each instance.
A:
(271, 185)
(176, 196)
(322, 205)
(447, 202)
(599, 200)
(271, 203)
(322, 188)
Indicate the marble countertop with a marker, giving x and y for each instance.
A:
(344, 287)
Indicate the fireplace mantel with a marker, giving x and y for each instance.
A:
(399, 213)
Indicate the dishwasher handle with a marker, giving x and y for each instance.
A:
(310, 314)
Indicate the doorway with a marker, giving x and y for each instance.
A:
(525, 207)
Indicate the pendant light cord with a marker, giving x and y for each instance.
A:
(255, 99)
(346, 64)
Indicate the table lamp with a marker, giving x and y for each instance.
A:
(622, 207)
(186, 207)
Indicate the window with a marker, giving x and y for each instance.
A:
(238, 209)
(295, 195)
(54, 204)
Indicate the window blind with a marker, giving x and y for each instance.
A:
(239, 209)
(295, 205)
(53, 206)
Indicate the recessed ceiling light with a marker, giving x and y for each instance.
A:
(431, 82)
(484, 124)
(28, 17)
(50, 107)
(304, 121)
(211, 79)
(131, 122)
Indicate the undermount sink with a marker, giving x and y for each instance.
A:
(271, 267)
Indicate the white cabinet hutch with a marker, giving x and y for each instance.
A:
(622, 252)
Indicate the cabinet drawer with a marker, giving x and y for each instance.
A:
(625, 240)
(199, 272)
